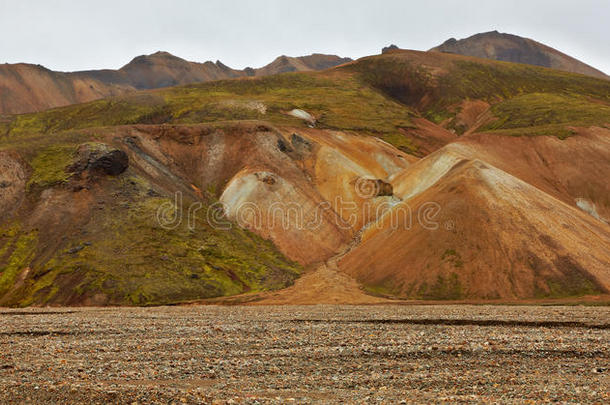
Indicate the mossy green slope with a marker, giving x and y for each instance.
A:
(124, 256)
(537, 109)
(435, 82)
(526, 99)
(115, 250)
(338, 101)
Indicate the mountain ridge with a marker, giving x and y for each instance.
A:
(30, 88)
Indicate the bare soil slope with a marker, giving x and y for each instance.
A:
(569, 169)
(491, 235)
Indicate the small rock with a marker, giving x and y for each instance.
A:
(76, 249)
(281, 145)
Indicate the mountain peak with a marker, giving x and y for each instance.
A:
(513, 48)
(156, 57)
(162, 53)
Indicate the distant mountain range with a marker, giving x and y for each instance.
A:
(512, 48)
(29, 88)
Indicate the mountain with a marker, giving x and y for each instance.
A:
(238, 187)
(512, 48)
(28, 88)
(163, 69)
(315, 61)
(495, 237)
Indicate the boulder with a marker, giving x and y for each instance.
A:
(369, 188)
(99, 158)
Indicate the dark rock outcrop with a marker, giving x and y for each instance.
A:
(112, 163)
(301, 144)
(100, 159)
(389, 48)
(283, 147)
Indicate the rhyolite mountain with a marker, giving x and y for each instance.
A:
(512, 48)
(440, 177)
(30, 88)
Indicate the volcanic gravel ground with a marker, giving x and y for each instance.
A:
(320, 354)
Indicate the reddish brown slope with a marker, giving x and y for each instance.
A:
(274, 181)
(571, 170)
(302, 187)
(25, 88)
(497, 237)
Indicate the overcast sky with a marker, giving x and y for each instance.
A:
(85, 34)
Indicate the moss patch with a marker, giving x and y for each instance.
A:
(49, 166)
(452, 257)
(22, 254)
(444, 288)
(531, 111)
(131, 259)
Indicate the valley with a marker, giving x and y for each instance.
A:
(411, 212)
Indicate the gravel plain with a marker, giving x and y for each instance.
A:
(306, 354)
